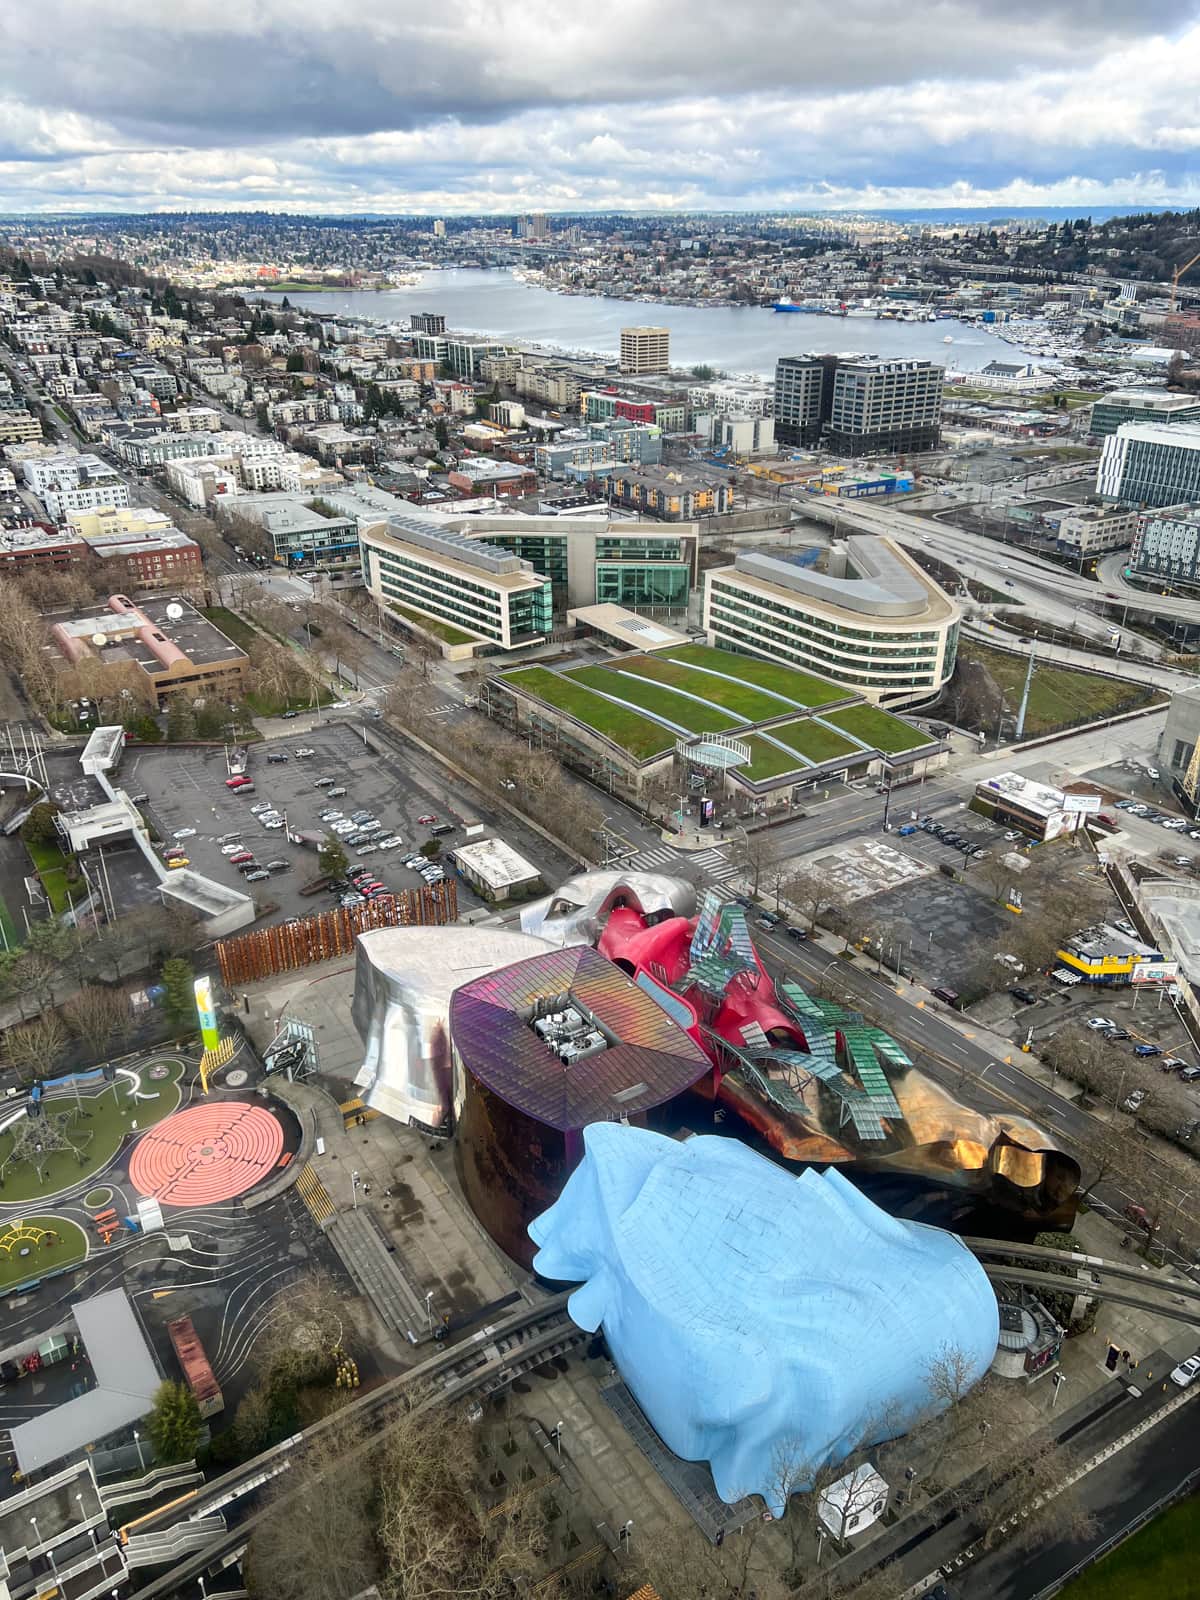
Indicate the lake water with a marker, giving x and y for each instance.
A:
(734, 339)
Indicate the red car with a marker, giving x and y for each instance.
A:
(238, 782)
(243, 855)
(427, 819)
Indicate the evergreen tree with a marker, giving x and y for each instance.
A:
(179, 1002)
(331, 857)
(174, 1425)
(181, 719)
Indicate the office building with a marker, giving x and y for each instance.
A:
(1167, 544)
(301, 537)
(800, 387)
(35, 545)
(1119, 406)
(858, 405)
(871, 620)
(427, 321)
(744, 436)
(439, 228)
(592, 561)
(645, 350)
(152, 652)
(461, 591)
(535, 226)
(1179, 738)
(1151, 464)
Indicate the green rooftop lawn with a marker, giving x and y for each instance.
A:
(878, 728)
(769, 761)
(813, 740)
(51, 867)
(803, 687)
(440, 630)
(744, 701)
(657, 701)
(634, 733)
(27, 1251)
(1157, 1563)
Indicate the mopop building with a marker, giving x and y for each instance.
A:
(542, 1049)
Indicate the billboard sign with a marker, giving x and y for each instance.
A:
(1154, 972)
(1085, 804)
(207, 1013)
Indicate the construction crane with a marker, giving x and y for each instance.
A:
(1178, 273)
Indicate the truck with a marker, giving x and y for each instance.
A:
(189, 1352)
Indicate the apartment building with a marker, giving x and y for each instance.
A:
(645, 350)
(458, 590)
(427, 322)
(301, 536)
(1167, 544)
(19, 427)
(670, 496)
(871, 619)
(1151, 464)
(71, 482)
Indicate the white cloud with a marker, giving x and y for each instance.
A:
(321, 105)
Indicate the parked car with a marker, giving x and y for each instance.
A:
(1025, 996)
(245, 788)
(798, 934)
(323, 783)
(1171, 1063)
(769, 919)
(1147, 1050)
(1100, 1024)
(1186, 1371)
(259, 807)
(428, 817)
(1115, 1035)
(1189, 1074)
(1132, 1101)
(177, 861)
(277, 758)
(337, 792)
(231, 849)
(271, 823)
(230, 838)
(237, 781)
(289, 716)
(304, 752)
(362, 816)
(241, 856)
(944, 993)
(246, 867)
(279, 866)
(257, 875)
(184, 833)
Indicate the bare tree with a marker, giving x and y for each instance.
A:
(306, 1330)
(752, 854)
(97, 1014)
(34, 1047)
(1101, 1150)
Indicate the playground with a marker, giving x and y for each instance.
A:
(73, 1127)
(33, 1246)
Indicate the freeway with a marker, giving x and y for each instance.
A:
(1002, 561)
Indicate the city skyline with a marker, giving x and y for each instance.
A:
(290, 107)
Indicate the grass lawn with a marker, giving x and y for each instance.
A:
(813, 740)
(769, 761)
(234, 627)
(657, 700)
(1058, 696)
(9, 926)
(51, 867)
(803, 688)
(106, 1121)
(750, 704)
(435, 625)
(886, 733)
(1159, 1563)
(634, 733)
(38, 1259)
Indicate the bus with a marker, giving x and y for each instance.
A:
(189, 1352)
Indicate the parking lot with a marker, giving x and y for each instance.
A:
(186, 790)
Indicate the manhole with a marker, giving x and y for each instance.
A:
(236, 1078)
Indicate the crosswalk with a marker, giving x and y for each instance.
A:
(713, 863)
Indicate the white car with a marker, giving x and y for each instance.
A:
(1186, 1371)
(388, 843)
(232, 849)
(1100, 1024)
(272, 822)
(304, 752)
(184, 833)
(259, 807)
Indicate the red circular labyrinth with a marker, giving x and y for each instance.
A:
(206, 1154)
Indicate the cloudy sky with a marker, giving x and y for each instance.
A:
(488, 105)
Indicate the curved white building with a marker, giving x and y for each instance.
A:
(870, 618)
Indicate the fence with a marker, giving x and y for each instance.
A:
(269, 951)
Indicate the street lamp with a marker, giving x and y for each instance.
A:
(429, 1310)
(626, 1536)
(556, 1435)
(137, 1439)
(1059, 1379)
(354, 1189)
